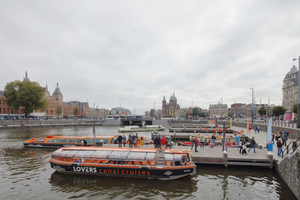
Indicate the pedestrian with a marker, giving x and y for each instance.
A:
(157, 142)
(206, 131)
(284, 138)
(273, 137)
(213, 138)
(255, 128)
(84, 142)
(130, 140)
(252, 142)
(192, 142)
(136, 140)
(170, 141)
(202, 140)
(277, 136)
(295, 145)
(244, 148)
(214, 130)
(279, 147)
(119, 139)
(220, 131)
(237, 139)
(280, 134)
(258, 128)
(163, 142)
(124, 140)
(196, 143)
(142, 141)
(241, 144)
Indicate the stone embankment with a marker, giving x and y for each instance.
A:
(47, 123)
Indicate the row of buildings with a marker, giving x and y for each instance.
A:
(54, 102)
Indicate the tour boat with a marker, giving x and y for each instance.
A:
(65, 141)
(137, 128)
(123, 162)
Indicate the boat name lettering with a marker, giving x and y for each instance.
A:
(124, 171)
(85, 169)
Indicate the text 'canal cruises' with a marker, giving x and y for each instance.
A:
(123, 162)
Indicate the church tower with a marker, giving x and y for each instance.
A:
(57, 95)
(164, 107)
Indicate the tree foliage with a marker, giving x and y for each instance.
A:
(26, 95)
(58, 111)
(294, 108)
(262, 111)
(75, 111)
(197, 112)
(278, 110)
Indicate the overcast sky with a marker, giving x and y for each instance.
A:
(133, 53)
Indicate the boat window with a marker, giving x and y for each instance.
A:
(150, 156)
(71, 140)
(71, 154)
(64, 153)
(40, 140)
(63, 140)
(105, 141)
(169, 157)
(78, 141)
(89, 141)
(55, 140)
(136, 156)
(56, 153)
(118, 155)
(177, 157)
(83, 154)
(49, 141)
(100, 154)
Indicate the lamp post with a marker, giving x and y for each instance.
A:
(154, 110)
(252, 103)
(298, 105)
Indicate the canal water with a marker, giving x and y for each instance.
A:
(26, 174)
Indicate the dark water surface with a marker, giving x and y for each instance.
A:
(26, 174)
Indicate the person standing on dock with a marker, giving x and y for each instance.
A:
(124, 140)
(237, 139)
(295, 145)
(273, 137)
(157, 142)
(220, 131)
(258, 128)
(202, 140)
(279, 147)
(252, 142)
(284, 138)
(213, 138)
(255, 128)
(142, 142)
(206, 131)
(130, 140)
(119, 139)
(192, 142)
(163, 143)
(196, 143)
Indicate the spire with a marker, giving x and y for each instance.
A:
(26, 77)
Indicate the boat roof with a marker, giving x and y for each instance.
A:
(81, 137)
(150, 150)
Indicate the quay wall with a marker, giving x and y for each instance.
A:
(46, 122)
(289, 170)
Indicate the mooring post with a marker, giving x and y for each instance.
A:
(270, 157)
(225, 155)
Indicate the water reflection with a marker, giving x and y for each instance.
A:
(126, 187)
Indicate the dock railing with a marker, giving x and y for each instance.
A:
(289, 148)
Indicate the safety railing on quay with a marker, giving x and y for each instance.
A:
(289, 148)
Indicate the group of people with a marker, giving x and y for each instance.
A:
(241, 145)
(162, 143)
(256, 128)
(196, 142)
(281, 139)
(132, 140)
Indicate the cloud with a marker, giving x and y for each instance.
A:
(134, 53)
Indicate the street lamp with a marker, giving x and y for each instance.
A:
(252, 103)
(298, 105)
(154, 110)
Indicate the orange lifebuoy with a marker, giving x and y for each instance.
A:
(32, 140)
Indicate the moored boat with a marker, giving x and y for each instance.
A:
(123, 162)
(64, 141)
(146, 128)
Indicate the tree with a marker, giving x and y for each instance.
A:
(262, 111)
(278, 110)
(75, 112)
(26, 95)
(58, 111)
(294, 108)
